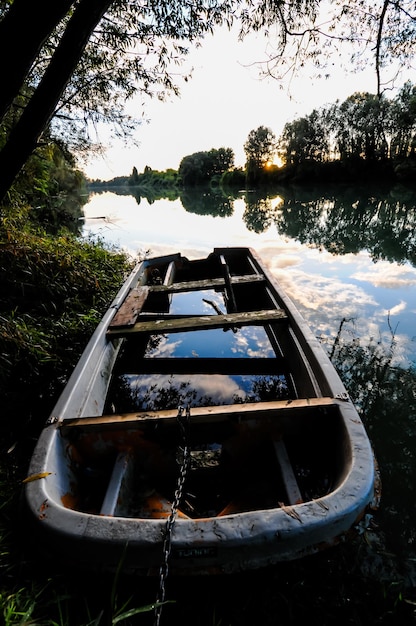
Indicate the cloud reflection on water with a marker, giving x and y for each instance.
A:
(326, 287)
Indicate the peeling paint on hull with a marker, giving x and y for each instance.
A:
(280, 469)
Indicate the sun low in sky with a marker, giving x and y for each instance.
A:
(220, 105)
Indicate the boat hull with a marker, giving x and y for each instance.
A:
(276, 478)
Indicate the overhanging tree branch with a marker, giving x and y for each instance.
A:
(378, 44)
(41, 107)
(23, 17)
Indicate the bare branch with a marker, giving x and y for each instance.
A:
(378, 44)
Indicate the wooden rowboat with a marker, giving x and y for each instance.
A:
(203, 424)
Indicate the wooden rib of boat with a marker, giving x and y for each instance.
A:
(203, 372)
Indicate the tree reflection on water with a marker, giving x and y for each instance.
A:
(382, 222)
(156, 393)
(385, 396)
(338, 218)
(342, 220)
(348, 219)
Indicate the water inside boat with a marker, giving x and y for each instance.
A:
(235, 464)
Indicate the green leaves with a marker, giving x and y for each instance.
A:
(202, 167)
(53, 292)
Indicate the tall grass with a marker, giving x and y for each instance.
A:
(53, 291)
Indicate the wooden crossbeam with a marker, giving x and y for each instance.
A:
(133, 304)
(202, 365)
(120, 470)
(207, 414)
(209, 283)
(200, 322)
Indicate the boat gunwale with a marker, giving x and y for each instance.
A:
(339, 510)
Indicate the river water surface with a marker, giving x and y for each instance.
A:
(327, 282)
(347, 258)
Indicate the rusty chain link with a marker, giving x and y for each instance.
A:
(183, 421)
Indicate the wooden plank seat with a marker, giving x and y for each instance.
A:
(207, 414)
(130, 308)
(199, 322)
(209, 283)
(202, 365)
(134, 302)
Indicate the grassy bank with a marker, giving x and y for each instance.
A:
(54, 289)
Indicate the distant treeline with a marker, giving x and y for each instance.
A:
(366, 137)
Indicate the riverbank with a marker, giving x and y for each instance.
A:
(54, 290)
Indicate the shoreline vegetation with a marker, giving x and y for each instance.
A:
(155, 185)
(221, 189)
(169, 183)
(366, 138)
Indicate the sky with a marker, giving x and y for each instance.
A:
(224, 100)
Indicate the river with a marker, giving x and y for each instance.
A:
(331, 268)
(347, 257)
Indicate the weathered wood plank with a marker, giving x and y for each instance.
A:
(133, 304)
(131, 307)
(200, 322)
(209, 283)
(210, 414)
(290, 482)
(203, 365)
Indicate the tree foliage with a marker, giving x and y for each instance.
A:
(260, 147)
(81, 55)
(364, 126)
(402, 122)
(379, 33)
(359, 127)
(305, 138)
(73, 64)
(201, 167)
(260, 150)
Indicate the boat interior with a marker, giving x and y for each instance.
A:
(210, 378)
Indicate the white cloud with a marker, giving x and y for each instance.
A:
(388, 275)
(395, 310)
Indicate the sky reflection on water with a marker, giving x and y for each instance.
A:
(377, 298)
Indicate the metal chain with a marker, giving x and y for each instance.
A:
(183, 422)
